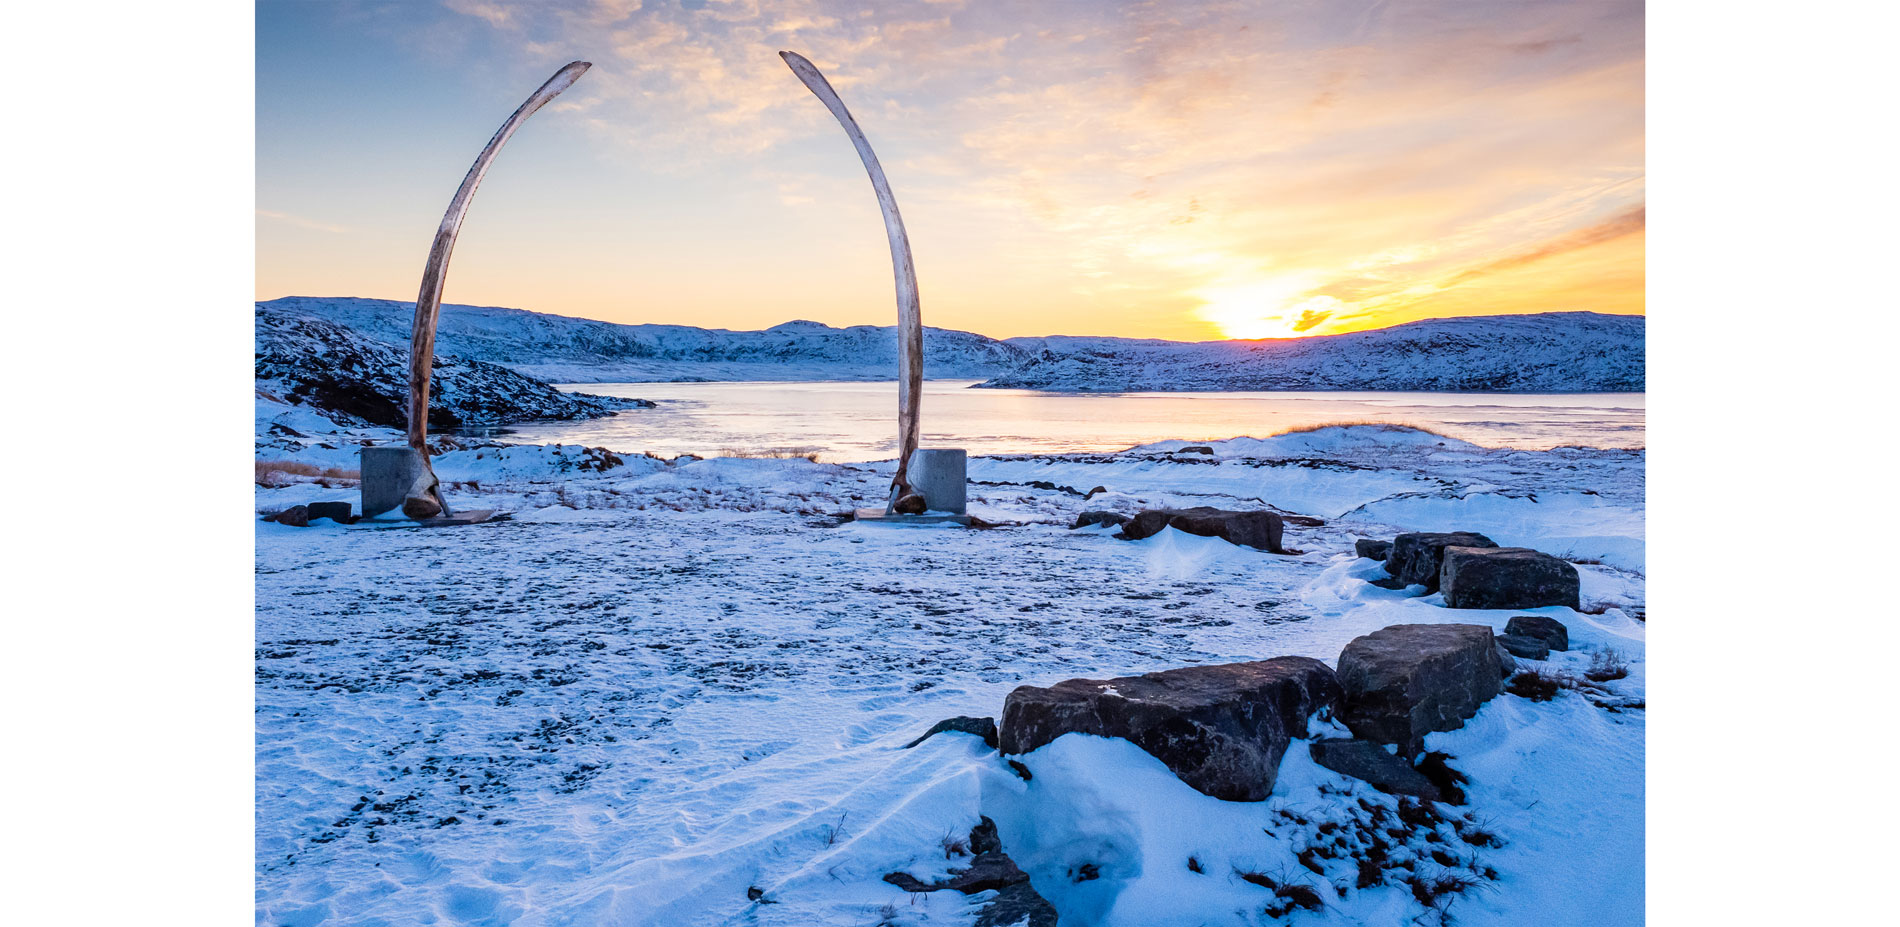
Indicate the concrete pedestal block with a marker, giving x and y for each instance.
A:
(390, 475)
(942, 476)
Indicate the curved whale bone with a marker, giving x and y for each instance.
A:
(910, 324)
(426, 494)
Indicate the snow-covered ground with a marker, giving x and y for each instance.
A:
(677, 692)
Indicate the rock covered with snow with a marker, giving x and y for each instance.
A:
(1417, 557)
(1507, 577)
(1222, 728)
(1263, 530)
(1408, 680)
(331, 367)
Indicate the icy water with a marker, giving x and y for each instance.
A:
(857, 421)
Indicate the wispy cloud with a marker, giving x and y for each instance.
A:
(300, 221)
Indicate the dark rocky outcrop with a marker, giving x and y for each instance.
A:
(1263, 530)
(1195, 449)
(962, 724)
(1222, 729)
(1110, 519)
(1095, 492)
(1486, 576)
(1524, 645)
(1372, 549)
(1369, 762)
(1408, 680)
(1549, 630)
(1416, 557)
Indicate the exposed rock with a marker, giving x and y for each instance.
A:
(1549, 630)
(297, 516)
(1110, 519)
(1416, 557)
(1487, 576)
(962, 724)
(1524, 645)
(338, 512)
(1507, 664)
(1408, 680)
(1372, 549)
(1095, 492)
(1222, 728)
(990, 869)
(1196, 449)
(1263, 530)
(910, 503)
(1369, 762)
(421, 507)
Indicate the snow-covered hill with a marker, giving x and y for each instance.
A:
(355, 377)
(1555, 352)
(1551, 352)
(560, 349)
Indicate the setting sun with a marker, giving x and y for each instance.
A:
(1277, 308)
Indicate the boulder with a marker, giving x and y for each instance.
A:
(1263, 530)
(962, 724)
(1549, 630)
(421, 507)
(338, 512)
(1110, 519)
(297, 516)
(1370, 762)
(1416, 557)
(1524, 645)
(1486, 576)
(1408, 680)
(910, 503)
(1221, 728)
(1371, 549)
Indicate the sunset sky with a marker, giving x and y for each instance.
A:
(1169, 170)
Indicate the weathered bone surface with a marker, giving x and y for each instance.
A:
(910, 323)
(435, 275)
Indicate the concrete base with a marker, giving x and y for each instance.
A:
(475, 517)
(390, 475)
(877, 516)
(941, 474)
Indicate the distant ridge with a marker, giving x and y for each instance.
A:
(1548, 352)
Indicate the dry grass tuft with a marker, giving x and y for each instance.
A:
(1354, 423)
(273, 474)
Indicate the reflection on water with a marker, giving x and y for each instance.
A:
(858, 421)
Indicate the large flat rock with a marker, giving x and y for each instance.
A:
(1221, 728)
(1507, 577)
(1263, 530)
(1408, 680)
(1416, 557)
